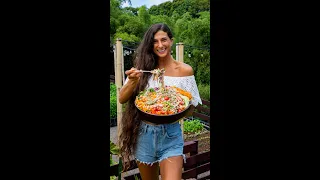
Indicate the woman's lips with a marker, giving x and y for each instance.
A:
(162, 51)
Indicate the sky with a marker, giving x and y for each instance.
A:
(148, 3)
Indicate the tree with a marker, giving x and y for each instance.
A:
(131, 10)
(144, 16)
(189, 21)
(131, 25)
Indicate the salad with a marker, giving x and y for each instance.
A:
(163, 101)
(158, 76)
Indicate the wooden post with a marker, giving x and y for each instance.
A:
(114, 59)
(118, 81)
(177, 51)
(180, 58)
(181, 50)
(122, 66)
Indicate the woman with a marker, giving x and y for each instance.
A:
(155, 145)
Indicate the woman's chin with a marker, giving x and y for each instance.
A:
(162, 55)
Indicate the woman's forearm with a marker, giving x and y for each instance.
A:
(126, 91)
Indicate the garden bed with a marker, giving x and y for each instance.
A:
(203, 139)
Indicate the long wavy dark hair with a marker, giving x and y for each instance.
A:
(145, 59)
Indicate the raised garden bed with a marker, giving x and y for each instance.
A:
(203, 139)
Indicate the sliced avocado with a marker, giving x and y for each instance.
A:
(186, 99)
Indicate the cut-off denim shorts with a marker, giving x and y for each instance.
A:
(158, 142)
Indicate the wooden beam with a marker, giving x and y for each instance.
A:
(203, 109)
(118, 80)
(196, 160)
(193, 173)
(180, 58)
(205, 102)
(201, 116)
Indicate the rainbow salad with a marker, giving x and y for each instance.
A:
(163, 101)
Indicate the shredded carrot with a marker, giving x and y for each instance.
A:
(183, 92)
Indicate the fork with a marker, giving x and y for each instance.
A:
(146, 71)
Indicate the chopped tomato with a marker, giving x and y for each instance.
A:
(181, 102)
(166, 98)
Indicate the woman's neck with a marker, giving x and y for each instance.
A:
(165, 61)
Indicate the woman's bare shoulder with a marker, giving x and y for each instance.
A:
(185, 69)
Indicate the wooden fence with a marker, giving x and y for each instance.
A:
(196, 163)
(202, 112)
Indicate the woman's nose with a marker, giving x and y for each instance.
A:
(160, 44)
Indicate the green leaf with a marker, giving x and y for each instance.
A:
(114, 149)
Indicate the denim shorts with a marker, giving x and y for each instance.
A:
(158, 142)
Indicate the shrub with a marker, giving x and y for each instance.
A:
(204, 91)
(114, 150)
(113, 101)
(192, 126)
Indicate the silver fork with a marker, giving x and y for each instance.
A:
(146, 71)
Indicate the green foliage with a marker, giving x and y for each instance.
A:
(200, 62)
(131, 25)
(188, 19)
(163, 19)
(114, 150)
(113, 101)
(131, 10)
(192, 126)
(162, 9)
(204, 91)
(145, 17)
(126, 36)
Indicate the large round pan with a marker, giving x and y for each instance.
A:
(163, 119)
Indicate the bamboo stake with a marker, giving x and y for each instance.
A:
(118, 80)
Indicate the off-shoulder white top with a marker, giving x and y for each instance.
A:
(187, 83)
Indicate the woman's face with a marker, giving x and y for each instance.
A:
(162, 44)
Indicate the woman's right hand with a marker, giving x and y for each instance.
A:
(126, 91)
(133, 74)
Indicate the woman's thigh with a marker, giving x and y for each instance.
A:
(171, 168)
(149, 172)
